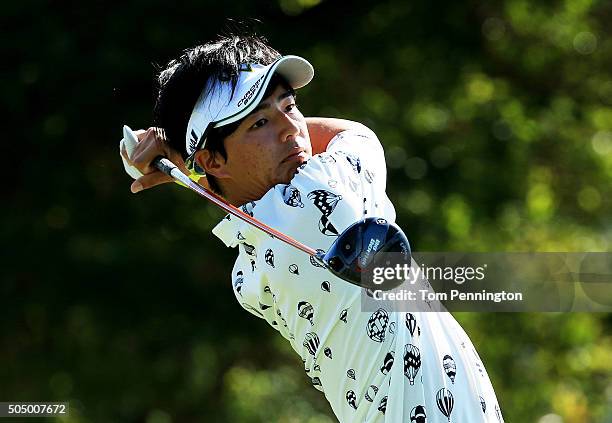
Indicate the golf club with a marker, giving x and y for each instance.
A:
(358, 248)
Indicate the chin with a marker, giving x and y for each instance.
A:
(286, 177)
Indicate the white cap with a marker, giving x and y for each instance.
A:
(220, 105)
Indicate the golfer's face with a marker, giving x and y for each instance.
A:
(269, 145)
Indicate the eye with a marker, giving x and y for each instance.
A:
(291, 107)
(259, 123)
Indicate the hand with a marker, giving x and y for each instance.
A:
(138, 164)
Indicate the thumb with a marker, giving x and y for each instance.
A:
(149, 180)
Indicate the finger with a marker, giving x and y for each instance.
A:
(125, 155)
(140, 134)
(146, 141)
(149, 147)
(149, 180)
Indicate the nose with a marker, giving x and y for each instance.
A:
(290, 127)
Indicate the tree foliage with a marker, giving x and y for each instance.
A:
(496, 118)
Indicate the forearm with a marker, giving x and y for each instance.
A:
(322, 130)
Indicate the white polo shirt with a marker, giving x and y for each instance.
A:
(372, 366)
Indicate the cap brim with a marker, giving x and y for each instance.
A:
(296, 70)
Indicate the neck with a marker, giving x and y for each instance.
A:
(237, 196)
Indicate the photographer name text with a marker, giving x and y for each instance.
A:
(453, 295)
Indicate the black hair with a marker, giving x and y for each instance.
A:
(182, 80)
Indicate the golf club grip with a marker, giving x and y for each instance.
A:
(170, 169)
(165, 166)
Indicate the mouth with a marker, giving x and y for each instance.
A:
(298, 155)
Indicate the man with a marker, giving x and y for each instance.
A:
(228, 108)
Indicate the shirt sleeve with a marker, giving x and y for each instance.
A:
(363, 144)
(333, 190)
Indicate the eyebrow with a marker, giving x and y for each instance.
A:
(265, 104)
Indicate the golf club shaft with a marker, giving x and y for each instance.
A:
(171, 170)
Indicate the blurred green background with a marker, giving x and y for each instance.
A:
(496, 118)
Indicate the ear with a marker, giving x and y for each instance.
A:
(212, 163)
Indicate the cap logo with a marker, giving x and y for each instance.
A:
(249, 94)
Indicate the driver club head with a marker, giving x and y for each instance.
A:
(364, 245)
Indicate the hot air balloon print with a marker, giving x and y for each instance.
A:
(326, 202)
(483, 405)
(306, 311)
(371, 393)
(249, 249)
(248, 208)
(392, 328)
(382, 407)
(269, 257)
(282, 319)
(238, 282)
(498, 414)
(351, 373)
(445, 401)
(412, 362)
(311, 342)
(351, 399)
(314, 261)
(326, 158)
(450, 368)
(411, 323)
(343, 315)
(389, 358)
(293, 268)
(328, 352)
(354, 161)
(292, 197)
(325, 286)
(377, 325)
(417, 415)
